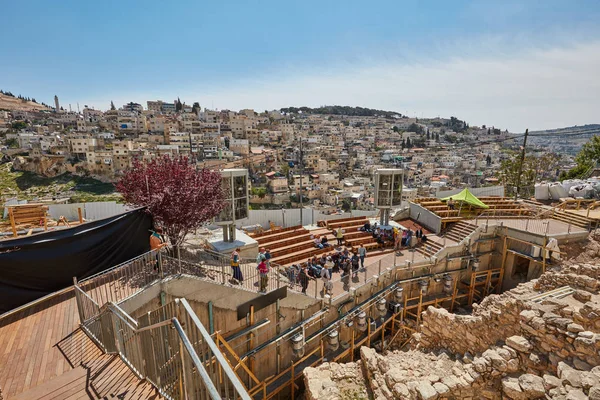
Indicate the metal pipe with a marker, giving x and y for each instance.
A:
(210, 387)
(239, 387)
(211, 327)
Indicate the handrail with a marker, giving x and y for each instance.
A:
(116, 266)
(128, 341)
(124, 314)
(210, 387)
(216, 352)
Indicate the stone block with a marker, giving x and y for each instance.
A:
(519, 343)
(532, 386)
(575, 328)
(512, 389)
(426, 391)
(594, 393)
(576, 395)
(551, 382)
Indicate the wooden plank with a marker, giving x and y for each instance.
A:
(12, 221)
(54, 386)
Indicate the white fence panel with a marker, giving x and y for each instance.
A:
(482, 191)
(104, 209)
(11, 202)
(291, 217)
(69, 211)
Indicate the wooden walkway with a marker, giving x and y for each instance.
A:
(42, 343)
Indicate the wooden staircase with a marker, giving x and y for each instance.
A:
(95, 375)
(458, 231)
(572, 218)
(429, 248)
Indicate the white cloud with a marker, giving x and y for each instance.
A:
(537, 89)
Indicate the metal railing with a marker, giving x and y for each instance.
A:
(176, 353)
(123, 280)
(133, 276)
(216, 267)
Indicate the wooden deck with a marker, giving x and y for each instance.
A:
(42, 343)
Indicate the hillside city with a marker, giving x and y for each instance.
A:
(331, 152)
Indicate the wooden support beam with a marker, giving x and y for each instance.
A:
(454, 292)
(12, 221)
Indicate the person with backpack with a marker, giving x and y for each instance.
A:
(235, 266)
(354, 261)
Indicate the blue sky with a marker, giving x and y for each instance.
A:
(512, 64)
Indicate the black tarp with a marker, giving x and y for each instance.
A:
(32, 267)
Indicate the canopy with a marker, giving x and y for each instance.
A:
(467, 197)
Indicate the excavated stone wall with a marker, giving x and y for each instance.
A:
(511, 347)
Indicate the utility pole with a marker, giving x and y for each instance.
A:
(301, 173)
(521, 164)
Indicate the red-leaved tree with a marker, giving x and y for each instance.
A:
(179, 197)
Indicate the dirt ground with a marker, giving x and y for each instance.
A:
(583, 252)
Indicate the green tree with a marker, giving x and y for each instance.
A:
(12, 143)
(195, 107)
(408, 143)
(112, 106)
(346, 205)
(261, 192)
(533, 169)
(588, 156)
(178, 105)
(415, 128)
(403, 143)
(18, 125)
(437, 137)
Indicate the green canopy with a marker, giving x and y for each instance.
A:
(467, 197)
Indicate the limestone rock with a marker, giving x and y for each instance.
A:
(551, 382)
(512, 389)
(576, 395)
(569, 375)
(401, 391)
(582, 296)
(532, 386)
(441, 388)
(594, 393)
(519, 343)
(426, 391)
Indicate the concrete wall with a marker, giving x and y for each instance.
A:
(426, 218)
(291, 217)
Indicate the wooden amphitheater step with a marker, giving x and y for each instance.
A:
(280, 235)
(347, 224)
(271, 232)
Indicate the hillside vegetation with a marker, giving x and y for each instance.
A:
(342, 110)
(11, 103)
(29, 186)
